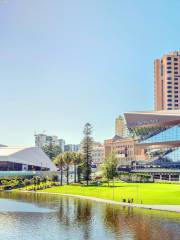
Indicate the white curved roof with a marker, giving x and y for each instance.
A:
(26, 155)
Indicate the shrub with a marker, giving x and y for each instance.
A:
(54, 177)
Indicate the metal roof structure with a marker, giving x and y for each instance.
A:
(26, 155)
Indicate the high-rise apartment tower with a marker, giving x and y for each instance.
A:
(167, 82)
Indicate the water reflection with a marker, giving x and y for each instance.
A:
(141, 224)
(73, 218)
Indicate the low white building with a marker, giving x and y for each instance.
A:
(24, 159)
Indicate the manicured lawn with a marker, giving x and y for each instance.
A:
(148, 193)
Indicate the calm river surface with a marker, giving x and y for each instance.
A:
(29, 216)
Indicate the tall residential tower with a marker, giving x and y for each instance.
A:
(167, 82)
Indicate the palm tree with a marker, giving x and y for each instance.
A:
(60, 163)
(77, 159)
(68, 156)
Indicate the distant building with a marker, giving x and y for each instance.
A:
(121, 129)
(123, 148)
(42, 140)
(119, 126)
(98, 153)
(166, 82)
(71, 148)
(61, 143)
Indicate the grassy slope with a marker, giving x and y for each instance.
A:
(148, 193)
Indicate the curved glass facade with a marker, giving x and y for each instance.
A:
(158, 135)
(166, 135)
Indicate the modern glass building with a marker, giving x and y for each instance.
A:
(158, 133)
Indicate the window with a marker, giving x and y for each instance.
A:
(169, 100)
(175, 87)
(175, 78)
(169, 104)
(175, 68)
(168, 71)
(175, 59)
(175, 72)
(168, 63)
(169, 82)
(169, 91)
(169, 96)
(176, 96)
(169, 87)
(176, 83)
(169, 108)
(168, 58)
(176, 105)
(169, 67)
(175, 64)
(176, 100)
(175, 92)
(168, 78)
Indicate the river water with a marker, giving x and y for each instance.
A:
(30, 216)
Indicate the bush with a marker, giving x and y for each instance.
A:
(54, 177)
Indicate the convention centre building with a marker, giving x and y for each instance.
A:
(158, 134)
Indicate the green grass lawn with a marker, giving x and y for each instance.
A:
(148, 193)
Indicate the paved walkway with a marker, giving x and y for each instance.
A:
(170, 208)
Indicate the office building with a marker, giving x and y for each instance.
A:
(42, 140)
(167, 82)
(119, 126)
(98, 153)
(71, 148)
(61, 143)
(123, 148)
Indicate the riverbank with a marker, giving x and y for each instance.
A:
(139, 193)
(169, 208)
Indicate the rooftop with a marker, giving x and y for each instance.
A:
(162, 112)
(7, 151)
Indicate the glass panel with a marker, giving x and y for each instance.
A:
(171, 134)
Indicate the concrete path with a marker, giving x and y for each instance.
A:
(170, 208)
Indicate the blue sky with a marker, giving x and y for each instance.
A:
(66, 62)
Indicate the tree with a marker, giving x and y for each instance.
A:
(77, 159)
(54, 177)
(52, 150)
(110, 167)
(27, 182)
(68, 160)
(87, 145)
(60, 163)
(44, 181)
(34, 181)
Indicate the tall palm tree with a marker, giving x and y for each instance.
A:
(77, 159)
(60, 163)
(68, 156)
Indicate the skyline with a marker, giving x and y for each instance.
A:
(65, 63)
